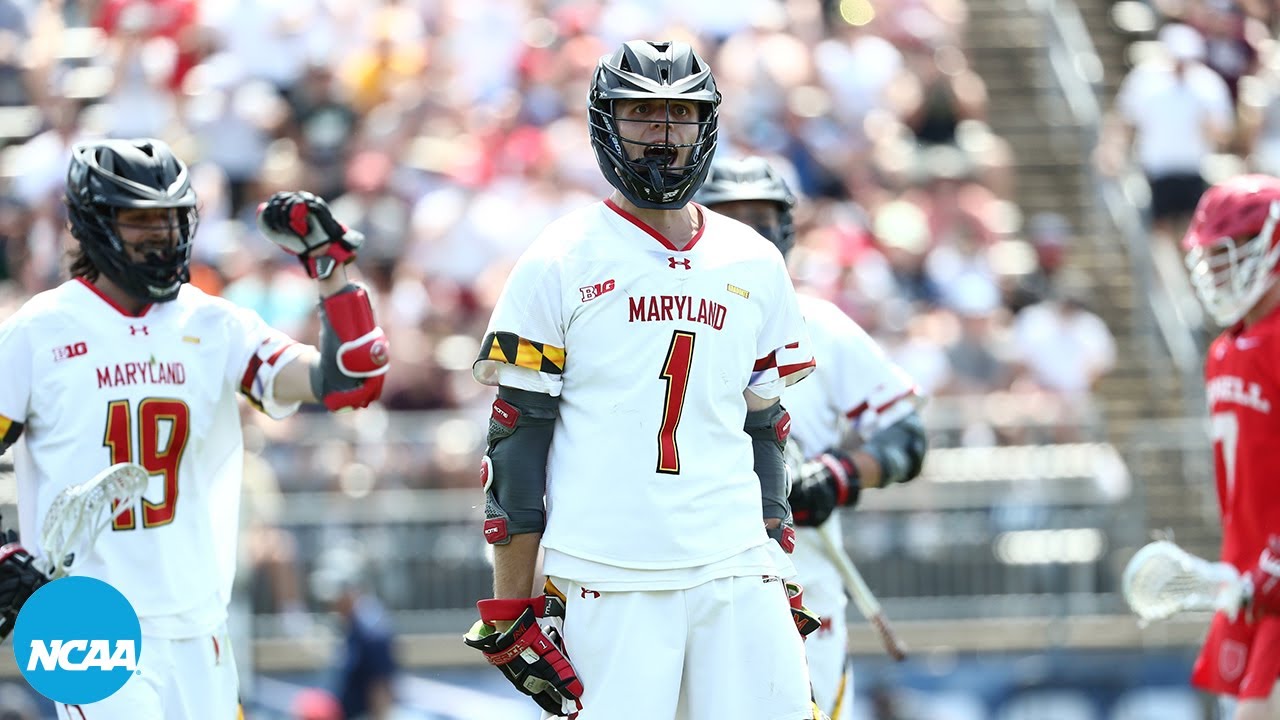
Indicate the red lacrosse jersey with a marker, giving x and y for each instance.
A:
(1242, 373)
(1243, 382)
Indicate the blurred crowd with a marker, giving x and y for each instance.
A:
(1199, 103)
(450, 132)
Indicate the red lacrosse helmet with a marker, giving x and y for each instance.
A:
(1232, 245)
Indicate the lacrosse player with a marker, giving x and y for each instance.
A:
(639, 349)
(127, 362)
(1232, 246)
(854, 422)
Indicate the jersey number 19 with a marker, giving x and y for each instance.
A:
(154, 417)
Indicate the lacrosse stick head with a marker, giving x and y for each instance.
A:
(1162, 579)
(81, 511)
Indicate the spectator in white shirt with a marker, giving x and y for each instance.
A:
(1064, 347)
(1173, 112)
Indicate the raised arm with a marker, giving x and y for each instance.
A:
(348, 369)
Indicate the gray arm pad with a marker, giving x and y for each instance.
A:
(515, 466)
(768, 429)
(899, 449)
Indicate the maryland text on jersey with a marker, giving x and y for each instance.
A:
(656, 308)
(514, 350)
(136, 373)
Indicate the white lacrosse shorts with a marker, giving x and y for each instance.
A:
(187, 678)
(827, 652)
(727, 648)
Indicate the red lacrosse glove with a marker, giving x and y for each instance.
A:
(303, 225)
(529, 653)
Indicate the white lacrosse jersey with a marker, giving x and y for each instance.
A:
(92, 386)
(650, 349)
(855, 387)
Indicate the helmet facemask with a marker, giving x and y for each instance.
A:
(661, 174)
(1232, 274)
(149, 271)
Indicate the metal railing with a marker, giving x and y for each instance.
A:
(1026, 531)
(1160, 290)
(985, 532)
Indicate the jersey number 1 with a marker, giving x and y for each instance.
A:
(159, 455)
(675, 372)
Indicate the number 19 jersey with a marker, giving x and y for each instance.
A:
(650, 349)
(90, 386)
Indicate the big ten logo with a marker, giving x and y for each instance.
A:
(591, 292)
(77, 640)
(69, 351)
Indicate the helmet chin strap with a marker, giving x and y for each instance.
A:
(655, 172)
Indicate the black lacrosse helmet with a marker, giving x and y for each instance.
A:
(747, 179)
(660, 71)
(107, 176)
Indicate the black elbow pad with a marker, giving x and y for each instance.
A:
(514, 469)
(900, 449)
(769, 429)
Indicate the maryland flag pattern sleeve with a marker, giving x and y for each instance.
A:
(509, 348)
(524, 344)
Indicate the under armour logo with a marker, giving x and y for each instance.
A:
(135, 329)
(594, 594)
(674, 262)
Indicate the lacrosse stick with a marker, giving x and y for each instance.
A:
(867, 603)
(79, 513)
(1162, 579)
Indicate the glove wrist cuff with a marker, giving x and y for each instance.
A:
(784, 535)
(8, 550)
(507, 609)
(844, 476)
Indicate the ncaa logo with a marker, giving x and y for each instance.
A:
(77, 640)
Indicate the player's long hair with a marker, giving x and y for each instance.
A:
(80, 265)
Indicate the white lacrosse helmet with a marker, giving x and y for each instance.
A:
(1232, 245)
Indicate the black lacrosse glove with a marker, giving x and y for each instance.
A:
(19, 579)
(530, 654)
(303, 225)
(823, 484)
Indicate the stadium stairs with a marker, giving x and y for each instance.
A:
(1009, 47)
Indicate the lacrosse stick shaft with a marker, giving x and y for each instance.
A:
(844, 683)
(867, 603)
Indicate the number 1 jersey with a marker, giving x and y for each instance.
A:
(650, 349)
(89, 386)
